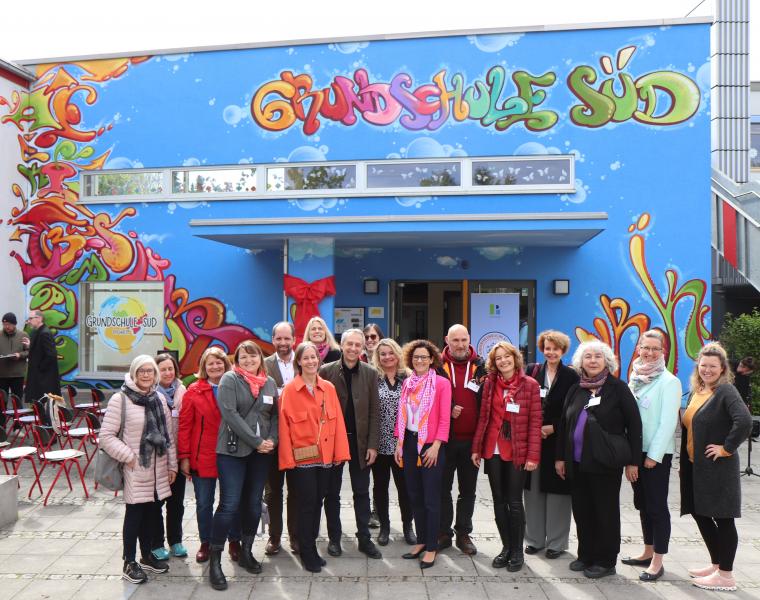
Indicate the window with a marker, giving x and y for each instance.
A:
(141, 183)
(754, 147)
(118, 321)
(521, 171)
(214, 181)
(413, 174)
(317, 177)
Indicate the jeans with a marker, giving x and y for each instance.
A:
(458, 460)
(360, 487)
(241, 486)
(175, 510)
(139, 522)
(205, 489)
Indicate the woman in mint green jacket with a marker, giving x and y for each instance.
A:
(658, 396)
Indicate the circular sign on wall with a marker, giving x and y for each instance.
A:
(121, 322)
(489, 340)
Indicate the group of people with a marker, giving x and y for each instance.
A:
(555, 441)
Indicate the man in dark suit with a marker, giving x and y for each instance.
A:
(42, 369)
(280, 367)
(356, 385)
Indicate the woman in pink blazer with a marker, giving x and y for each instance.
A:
(422, 425)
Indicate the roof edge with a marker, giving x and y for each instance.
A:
(382, 37)
(17, 70)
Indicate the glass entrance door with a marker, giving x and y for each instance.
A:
(425, 309)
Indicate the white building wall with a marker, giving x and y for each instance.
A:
(12, 293)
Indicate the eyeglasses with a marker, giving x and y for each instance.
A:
(146, 371)
(371, 336)
(649, 349)
(421, 358)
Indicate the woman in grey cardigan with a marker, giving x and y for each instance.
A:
(715, 423)
(247, 400)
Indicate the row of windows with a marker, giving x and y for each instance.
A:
(527, 173)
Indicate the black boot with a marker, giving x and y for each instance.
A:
(246, 559)
(409, 536)
(215, 575)
(516, 537)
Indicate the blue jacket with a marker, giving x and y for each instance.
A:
(659, 403)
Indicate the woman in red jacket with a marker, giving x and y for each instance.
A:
(199, 420)
(508, 436)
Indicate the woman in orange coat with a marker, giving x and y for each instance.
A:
(312, 441)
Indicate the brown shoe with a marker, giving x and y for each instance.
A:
(294, 547)
(272, 548)
(203, 553)
(234, 550)
(464, 543)
(444, 541)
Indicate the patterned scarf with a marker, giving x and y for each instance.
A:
(417, 391)
(169, 392)
(155, 435)
(254, 381)
(323, 349)
(593, 383)
(645, 373)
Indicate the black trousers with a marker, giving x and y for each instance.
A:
(139, 523)
(175, 511)
(596, 509)
(650, 497)
(310, 484)
(12, 385)
(424, 487)
(360, 488)
(507, 484)
(273, 496)
(458, 454)
(721, 539)
(384, 467)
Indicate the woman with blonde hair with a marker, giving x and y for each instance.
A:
(716, 422)
(199, 420)
(318, 333)
(508, 437)
(389, 363)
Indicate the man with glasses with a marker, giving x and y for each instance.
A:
(466, 372)
(356, 385)
(42, 371)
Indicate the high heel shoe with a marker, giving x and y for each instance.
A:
(412, 555)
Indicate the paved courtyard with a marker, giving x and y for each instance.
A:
(72, 549)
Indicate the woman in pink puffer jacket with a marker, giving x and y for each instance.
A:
(149, 455)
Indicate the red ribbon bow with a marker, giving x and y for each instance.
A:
(307, 296)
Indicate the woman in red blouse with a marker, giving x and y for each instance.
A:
(508, 437)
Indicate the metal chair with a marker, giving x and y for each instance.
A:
(15, 413)
(16, 456)
(63, 458)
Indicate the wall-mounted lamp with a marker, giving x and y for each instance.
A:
(371, 286)
(561, 287)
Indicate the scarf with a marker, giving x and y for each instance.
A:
(506, 389)
(323, 349)
(169, 392)
(155, 435)
(254, 381)
(593, 383)
(417, 391)
(645, 373)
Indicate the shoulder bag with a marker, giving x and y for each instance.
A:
(611, 450)
(109, 472)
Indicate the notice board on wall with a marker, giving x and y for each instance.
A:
(494, 318)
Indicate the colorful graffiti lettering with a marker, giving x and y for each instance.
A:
(64, 242)
(617, 310)
(279, 104)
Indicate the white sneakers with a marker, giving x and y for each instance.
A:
(710, 578)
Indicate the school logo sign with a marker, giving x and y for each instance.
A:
(121, 322)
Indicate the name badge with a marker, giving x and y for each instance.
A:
(268, 399)
(594, 401)
(543, 392)
(175, 413)
(645, 401)
(473, 386)
(513, 407)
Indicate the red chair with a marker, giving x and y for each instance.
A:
(63, 458)
(16, 456)
(17, 411)
(74, 435)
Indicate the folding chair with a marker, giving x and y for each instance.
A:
(17, 411)
(73, 435)
(63, 458)
(16, 456)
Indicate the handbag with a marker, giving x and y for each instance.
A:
(311, 451)
(611, 450)
(109, 472)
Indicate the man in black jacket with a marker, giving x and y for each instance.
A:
(42, 370)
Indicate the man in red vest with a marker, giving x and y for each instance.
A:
(466, 372)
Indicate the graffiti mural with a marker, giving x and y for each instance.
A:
(618, 311)
(66, 243)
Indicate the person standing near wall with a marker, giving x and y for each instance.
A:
(547, 497)
(14, 346)
(716, 422)
(466, 372)
(280, 366)
(356, 385)
(318, 333)
(42, 369)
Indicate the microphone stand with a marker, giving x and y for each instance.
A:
(748, 471)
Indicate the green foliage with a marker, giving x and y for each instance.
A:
(741, 337)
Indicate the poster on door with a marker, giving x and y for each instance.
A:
(494, 318)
